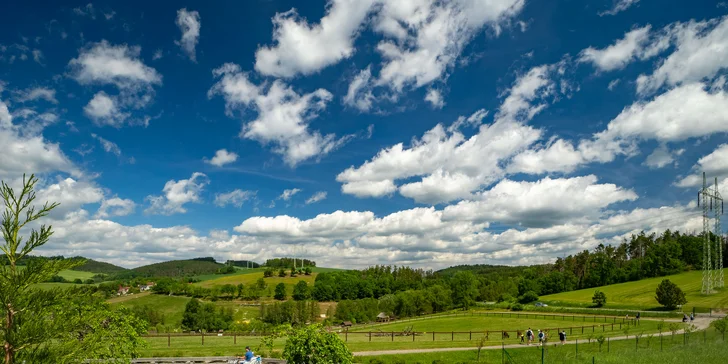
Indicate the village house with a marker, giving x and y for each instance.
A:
(146, 287)
(122, 291)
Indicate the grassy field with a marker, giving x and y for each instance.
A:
(74, 274)
(248, 279)
(360, 341)
(641, 294)
(709, 350)
(173, 307)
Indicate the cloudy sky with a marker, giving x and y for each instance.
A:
(358, 132)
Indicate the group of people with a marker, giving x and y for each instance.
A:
(529, 337)
(692, 317)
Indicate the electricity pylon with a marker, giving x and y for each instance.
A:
(718, 276)
(705, 198)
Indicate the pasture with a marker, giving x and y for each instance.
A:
(641, 294)
(450, 332)
(249, 279)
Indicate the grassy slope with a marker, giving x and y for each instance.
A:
(641, 294)
(173, 307)
(248, 279)
(74, 274)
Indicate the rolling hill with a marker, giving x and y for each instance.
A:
(641, 294)
(94, 266)
(176, 268)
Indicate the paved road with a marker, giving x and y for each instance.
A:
(700, 322)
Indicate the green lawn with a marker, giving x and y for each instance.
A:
(360, 341)
(641, 294)
(248, 279)
(709, 350)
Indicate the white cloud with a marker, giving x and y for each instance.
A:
(451, 167)
(543, 203)
(359, 94)
(36, 93)
(101, 64)
(28, 152)
(109, 146)
(222, 157)
(613, 84)
(701, 51)
(301, 48)
(235, 198)
(37, 56)
(688, 111)
(188, 23)
(317, 197)
(158, 54)
(636, 44)
(661, 157)
(115, 207)
(283, 115)
(287, 194)
(434, 97)
(70, 194)
(103, 110)
(87, 10)
(714, 164)
(619, 6)
(177, 194)
(427, 37)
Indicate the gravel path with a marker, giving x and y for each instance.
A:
(701, 323)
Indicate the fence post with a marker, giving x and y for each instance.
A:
(542, 352)
(636, 342)
(203, 338)
(370, 336)
(169, 340)
(471, 336)
(413, 336)
(660, 341)
(433, 336)
(392, 335)
(452, 336)
(607, 344)
(503, 353)
(346, 335)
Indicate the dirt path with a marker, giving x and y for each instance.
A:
(701, 323)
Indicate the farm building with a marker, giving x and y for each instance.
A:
(383, 317)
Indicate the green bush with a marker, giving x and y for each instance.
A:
(528, 297)
(517, 307)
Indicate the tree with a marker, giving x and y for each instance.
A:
(260, 284)
(599, 299)
(464, 289)
(301, 291)
(670, 295)
(268, 272)
(312, 345)
(280, 293)
(189, 318)
(720, 325)
(528, 297)
(52, 326)
(281, 273)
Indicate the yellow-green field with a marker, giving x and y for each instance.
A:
(249, 279)
(641, 294)
(74, 274)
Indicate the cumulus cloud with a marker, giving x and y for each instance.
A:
(301, 48)
(235, 198)
(434, 97)
(283, 114)
(188, 23)
(70, 194)
(316, 197)
(688, 111)
(701, 51)
(176, 194)
(287, 194)
(636, 44)
(450, 165)
(359, 94)
(105, 64)
(115, 206)
(714, 164)
(661, 157)
(222, 157)
(619, 6)
(28, 152)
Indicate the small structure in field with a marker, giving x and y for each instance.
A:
(383, 317)
(346, 324)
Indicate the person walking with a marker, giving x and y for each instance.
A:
(562, 337)
(541, 336)
(529, 335)
(692, 316)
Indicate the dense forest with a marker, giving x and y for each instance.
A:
(95, 266)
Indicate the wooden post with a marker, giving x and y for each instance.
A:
(392, 335)
(169, 340)
(433, 336)
(346, 335)
(235, 338)
(203, 338)
(370, 336)
(413, 336)
(471, 336)
(452, 336)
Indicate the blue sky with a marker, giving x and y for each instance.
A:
(427, 133)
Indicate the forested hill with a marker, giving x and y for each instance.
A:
(94, 266)
(484, 269)
(177, 268)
